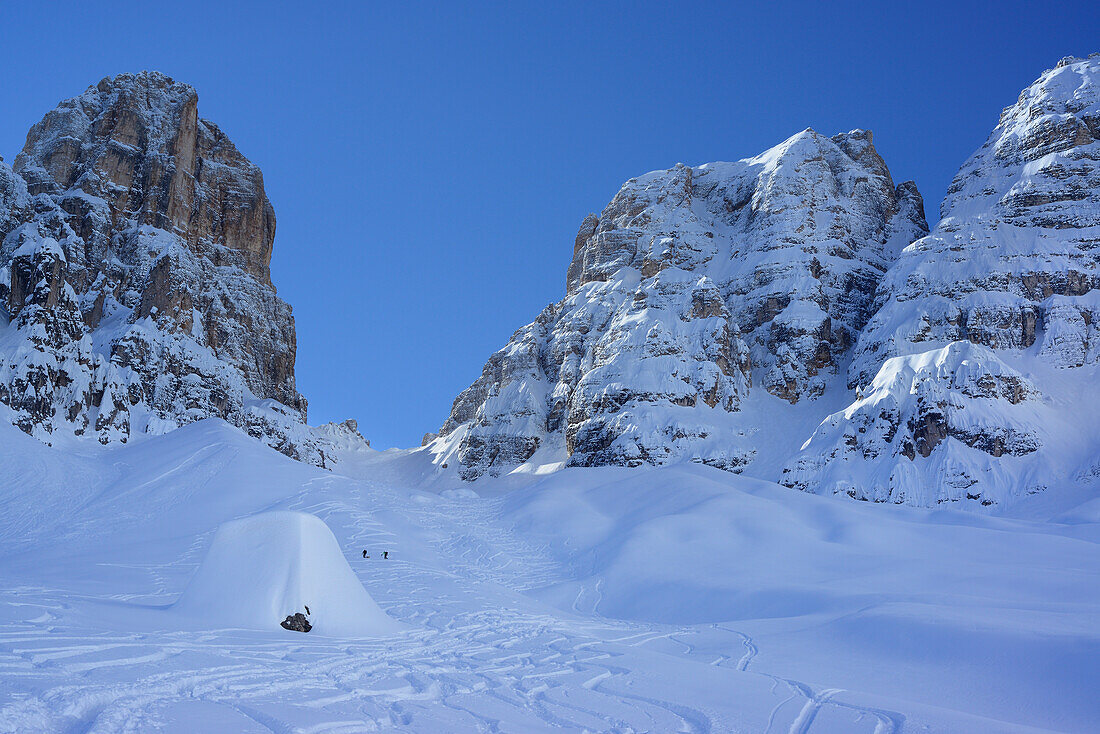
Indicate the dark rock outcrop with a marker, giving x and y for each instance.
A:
(296, 622)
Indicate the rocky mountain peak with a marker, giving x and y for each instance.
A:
(1057, 114)
(134, 275)
(711, 311)
(136, 142)
(1018, 229)
(691, 286)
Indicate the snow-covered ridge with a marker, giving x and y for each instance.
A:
(134, 275)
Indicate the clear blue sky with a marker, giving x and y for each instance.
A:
(430, 164)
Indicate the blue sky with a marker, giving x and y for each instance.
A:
(430, 163)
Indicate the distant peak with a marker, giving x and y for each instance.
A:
(809, 136)
(859, 134)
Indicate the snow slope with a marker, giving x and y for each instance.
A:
(707, 603)
(948, 603)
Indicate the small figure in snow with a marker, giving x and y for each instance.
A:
(365, 554)
(385, 554)
(307, 610)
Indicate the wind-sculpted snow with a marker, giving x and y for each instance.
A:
(134, 275)
(692, 286)
(1013, 266)
(261, 568)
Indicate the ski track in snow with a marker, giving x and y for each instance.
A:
(468, 663)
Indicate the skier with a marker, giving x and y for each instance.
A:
(307, 610)
(385, 554)
(365, 554)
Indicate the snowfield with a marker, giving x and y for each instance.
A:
(673, 599)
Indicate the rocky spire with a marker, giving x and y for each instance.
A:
(134, 274)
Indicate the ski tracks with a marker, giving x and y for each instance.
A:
(477, 658)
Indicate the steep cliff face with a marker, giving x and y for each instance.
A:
(134, 275)
(693, 285)
(1013, 266)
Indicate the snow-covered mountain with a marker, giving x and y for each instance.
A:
(966, 353)
(981, 359)
(692, 288)
(134, 281)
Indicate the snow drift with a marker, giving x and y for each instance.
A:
(261, 568)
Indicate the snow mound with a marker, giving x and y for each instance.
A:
(261, 568)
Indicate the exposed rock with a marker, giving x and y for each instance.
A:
(692, 285)
(134, 261)
(296, 622)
